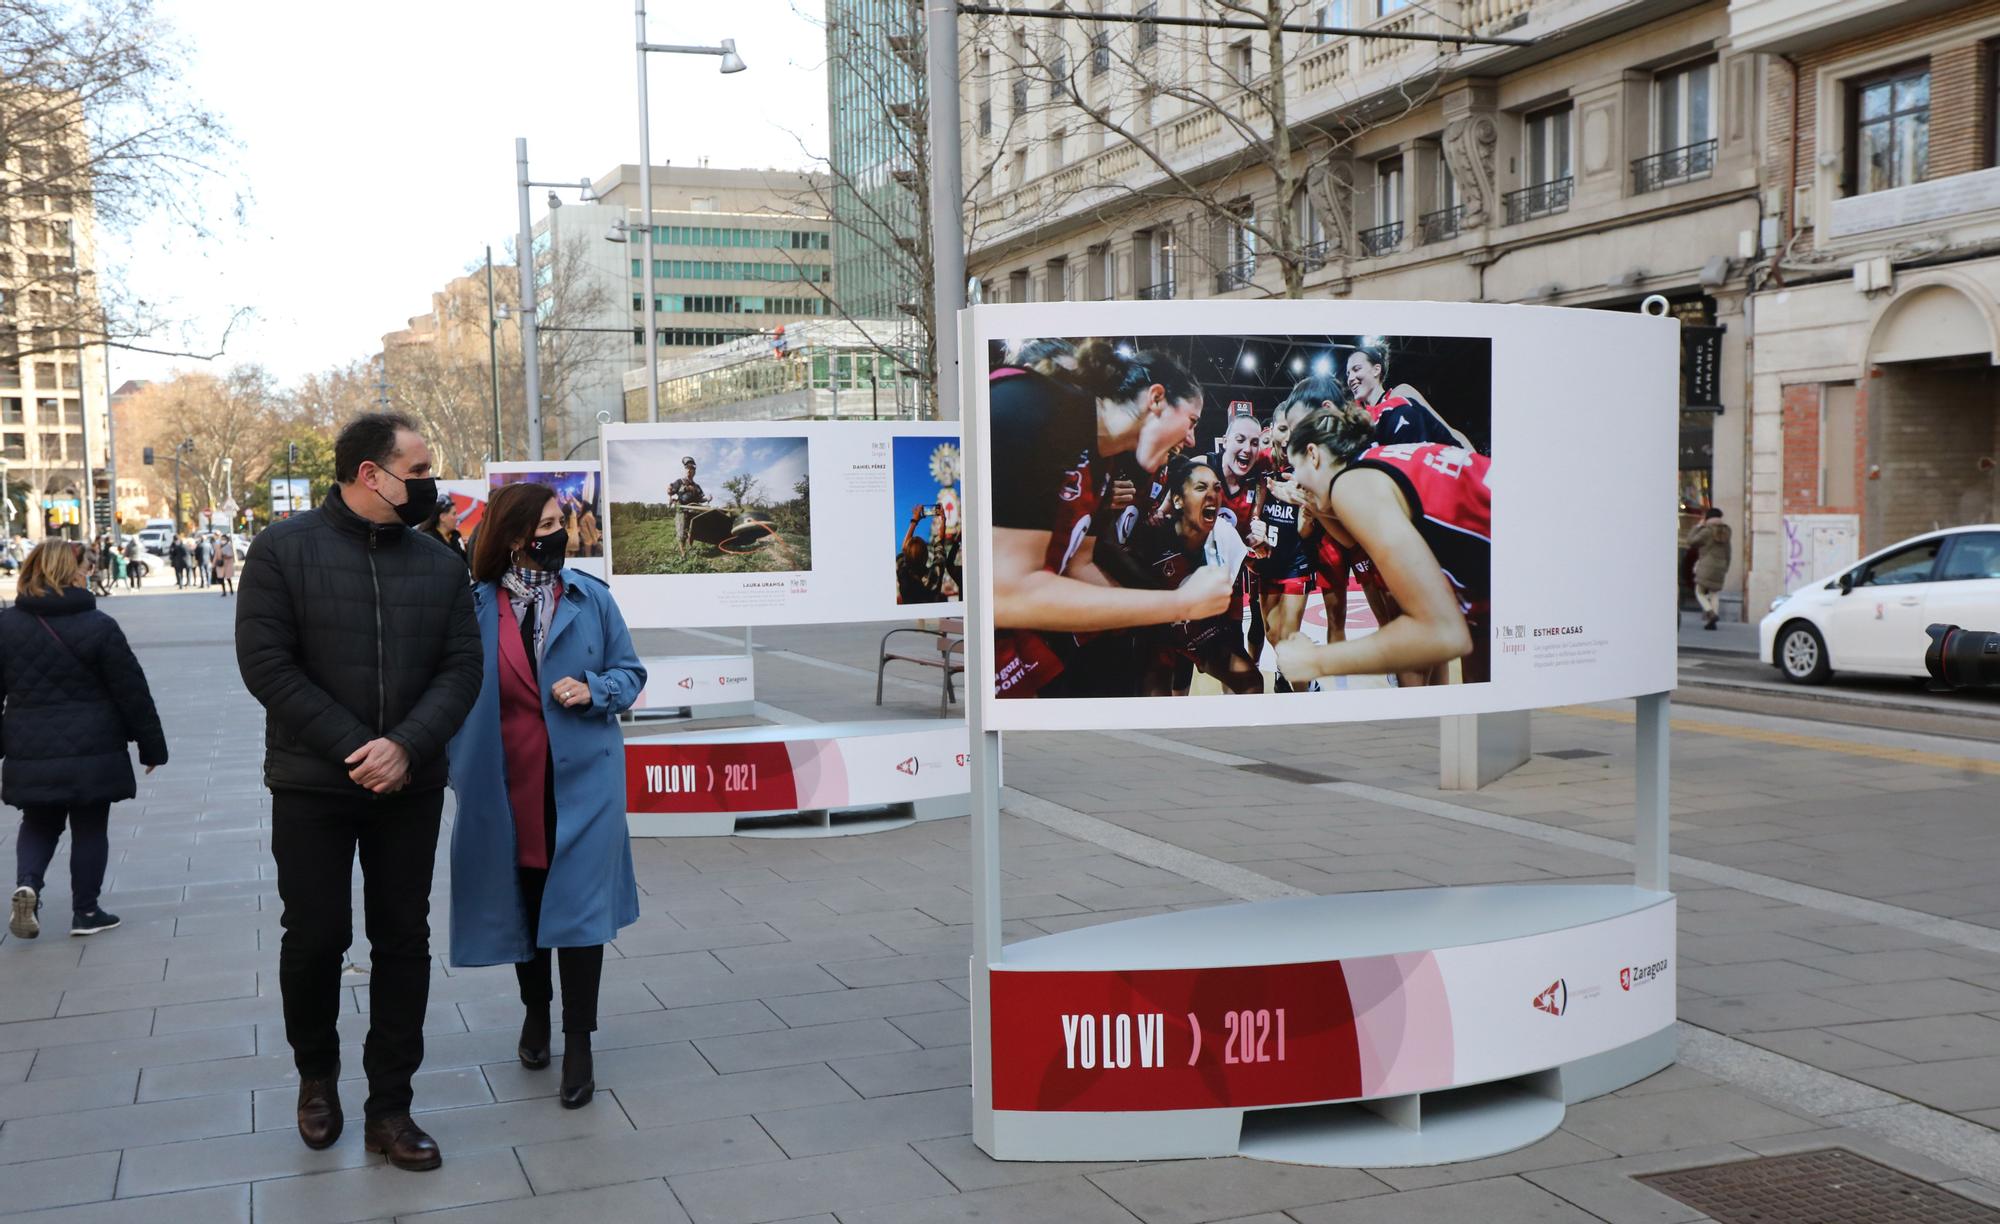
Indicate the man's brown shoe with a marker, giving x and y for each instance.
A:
(320, 1119)
(403, 1142)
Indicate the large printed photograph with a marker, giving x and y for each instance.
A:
(710, 505)
(925, 525)
(1218, 515)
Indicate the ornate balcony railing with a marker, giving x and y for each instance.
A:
(1682, 165)
(1539, 200)
(1315, 254)
(1382, 239)
(1160, 292)
(1442, 225)
(1236, 276)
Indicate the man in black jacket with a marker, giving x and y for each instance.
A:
(356, 633)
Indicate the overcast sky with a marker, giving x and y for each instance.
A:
(377, 144)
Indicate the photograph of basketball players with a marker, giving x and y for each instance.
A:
(924, 521)
(1222, 515)
(710, 505)
(577, 494)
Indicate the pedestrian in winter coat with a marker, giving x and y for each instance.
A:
(134, 555)
(75, 696)
(1708, 544)
(357, 636)
(225, 568)
(541, 859)
(177, 556)
(204, 560)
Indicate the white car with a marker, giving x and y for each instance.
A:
(1871, 616)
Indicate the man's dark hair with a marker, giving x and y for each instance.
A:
(368, 438)
(1711, 513)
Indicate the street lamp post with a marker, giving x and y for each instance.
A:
(731, 62)
(185, 446)
(524, 256)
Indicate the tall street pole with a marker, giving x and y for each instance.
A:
(646, 219)
(493, 354)
(947, 224)
(110, 426)
(524, 255)
(89, 498)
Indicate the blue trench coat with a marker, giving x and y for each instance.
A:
(591, 890)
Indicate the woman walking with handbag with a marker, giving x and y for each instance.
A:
(75, 696)
(541, 862)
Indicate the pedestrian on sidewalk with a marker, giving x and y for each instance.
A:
(541, 860)
(225, 567)
(204, 560)
(1708, 546)
(75, 696)
(134, 560)
(177, 556)
(357, 637)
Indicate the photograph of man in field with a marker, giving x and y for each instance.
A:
(710, 506)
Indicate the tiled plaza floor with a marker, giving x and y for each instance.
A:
(785, 1030)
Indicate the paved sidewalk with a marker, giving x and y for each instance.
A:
(1732, 637)
(784, 1032)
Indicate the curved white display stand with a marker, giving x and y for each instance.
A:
(808, 780)
(696, 686)
(1450, 1023)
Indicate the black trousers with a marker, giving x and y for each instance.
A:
(89, 849)
(314, 838)
(582, 968)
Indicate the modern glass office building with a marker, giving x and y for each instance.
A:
(875, 128)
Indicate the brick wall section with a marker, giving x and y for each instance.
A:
(1799, 425)
(1961, 118)
(1935, 423)
(1799, 409)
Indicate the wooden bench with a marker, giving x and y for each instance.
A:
(948, 657)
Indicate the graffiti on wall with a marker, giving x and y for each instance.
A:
(1819, 545)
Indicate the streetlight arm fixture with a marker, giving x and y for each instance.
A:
(731, 62)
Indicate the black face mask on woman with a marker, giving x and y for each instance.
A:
(548, 551)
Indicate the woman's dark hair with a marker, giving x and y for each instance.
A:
(1378, 356)
(1314, 391)
(512, 514)
(1343, 432)
(1182, 471)
(1104, 372)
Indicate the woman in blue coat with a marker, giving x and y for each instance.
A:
(540, 855)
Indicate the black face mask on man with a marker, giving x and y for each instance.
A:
(420, 501)
(548, 551)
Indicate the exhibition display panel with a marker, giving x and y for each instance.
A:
(1286, 515)
(697, 686)
(800, 780)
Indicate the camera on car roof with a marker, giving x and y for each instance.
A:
(1962, 658)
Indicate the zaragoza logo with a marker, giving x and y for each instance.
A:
(1554, 1000)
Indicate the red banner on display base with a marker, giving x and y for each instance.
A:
(1173, 1038)
(746, 777)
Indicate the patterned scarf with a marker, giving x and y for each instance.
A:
(530, 587)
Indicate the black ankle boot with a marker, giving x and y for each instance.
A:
(534, 1049)
(579, 1082)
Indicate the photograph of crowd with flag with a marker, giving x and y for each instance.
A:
(1218, 515)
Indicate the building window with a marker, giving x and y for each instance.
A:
(1059, 74)
(1149, 34)
(1242, 61)
(1683, 129)
(1100, 53)
(1890, 120)
(1058, 281)
(1547, 153)
(1239, 248)
(1103, 273)
(1448, 215)
(1385, 7)
(1017, 285)
(1387, 234)
(15, 446)
(1144, 114)
(1058, 148)
(986, 116)
(1017, 174)
(1020, 95)
(1332, 14)
(11, 411)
